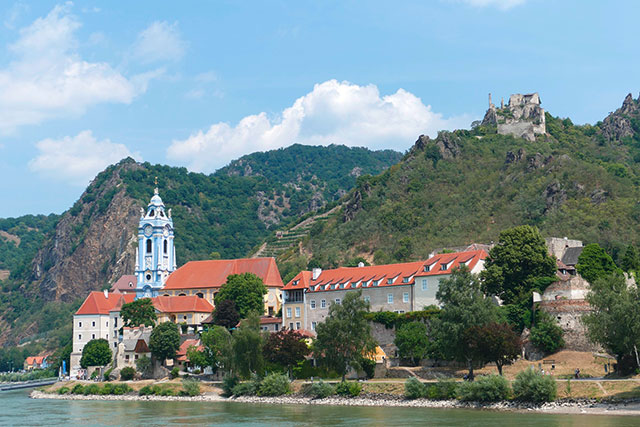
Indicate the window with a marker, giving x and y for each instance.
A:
(376, 283)
(405, 297)
(165, 247)
(297, 311)
(323, 303)
(115, 322)
(79, 324)
(405, 280)
(200, 295)
(313, 304)
(427, 268)
(338, 301)
(276, 326)
(313, 326)
(443, 267)
(289, 312)
(135, 357)
(93, 324)
(367, 298)
(93, 336)
(389, 281)
(424, 284)
(297, 325)
(79, 337)
(290, 325)
(148, 246)
(126, 357)
(390, 298)
(107, 325)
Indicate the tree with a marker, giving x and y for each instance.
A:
(463, 306)
(594, 263)
(494, 342)
(138, 312)
(246, 290)
(630, 261)
(197, 357)
(164, 341)
(247, 342)
(412, 341)
(516, 264)
(143, 365)
(615, 320)
(286, 347)
(225, 314)
(217, 348)
(344, 338)
(96, 353)
(546, 334)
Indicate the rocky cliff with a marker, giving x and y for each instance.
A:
(624, 122)
(522, 117)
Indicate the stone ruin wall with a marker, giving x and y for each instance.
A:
(569, 314)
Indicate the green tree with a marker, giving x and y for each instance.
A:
(138, 312)
(463, 305)
(615, 320)
(412, 341)
(630, 261)
(218, 348)
(495, 342)
(246, 290)
(344, 339)
(516, 264)
(164, 341)
(143, 365)
(96, 353)
(198, 357)
(594, 263)
(225, 314)
(286, 347)
(546, 334)
(247, 343)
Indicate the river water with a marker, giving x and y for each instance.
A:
(16, 409)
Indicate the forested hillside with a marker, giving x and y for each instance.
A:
(467, 186)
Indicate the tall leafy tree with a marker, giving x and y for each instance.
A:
(615, 320)
(246, 290)
(286, 347)
(463, 306)
(247, 343)
(546, 334)
(412, 341)
(217, 348)
(96, 353)
(344, 339)
(225, 314)
(594, 263)
(139, 312)
(494, 342)
(164, 341)
(630, 260)
(516, 265)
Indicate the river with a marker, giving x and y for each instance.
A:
(16, 409)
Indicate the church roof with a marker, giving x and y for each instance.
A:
(126, 283)
(214, 273)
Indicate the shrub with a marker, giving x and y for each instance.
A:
(94, 375)
(106, 389)
(148, 390)
(244, 389)
(532, 386)
(166, 392)
(63, 390)
(369, 368)
(274, 385)
(486, 388)
(119, 389)
(320, 390)
(107, 374)
(190, 387)
(175, 372)
(91, 389)
(228, 383)
(127, 373)
(414, 388)
(444, 389)
(346, 388)
(77, 389)
(547, 334)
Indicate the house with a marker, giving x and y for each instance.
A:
(399, 287)
(133, 346)
(189, 310)
(182, 360)
(204, 279)
(93, 320)
(125, 285)
(35, 362)
(270, 324)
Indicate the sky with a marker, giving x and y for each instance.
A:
(197, 84)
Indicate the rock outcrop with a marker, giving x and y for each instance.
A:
(618, 125)
(522, 117)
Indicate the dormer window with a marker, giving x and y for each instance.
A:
(427, 268)
(389, 281)
(405, 280)
(443, 267)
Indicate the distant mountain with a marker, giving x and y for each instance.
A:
(53, 262)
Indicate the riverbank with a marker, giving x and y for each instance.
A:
(575, 406)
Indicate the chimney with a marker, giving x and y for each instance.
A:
(316, 273)
(106, 294)
(361, 264)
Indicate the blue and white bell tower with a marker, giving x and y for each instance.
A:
(155, 255)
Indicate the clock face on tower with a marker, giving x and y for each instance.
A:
(148, 230)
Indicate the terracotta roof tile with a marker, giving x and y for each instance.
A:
(99, 303)
(126, 283)
(183, 304)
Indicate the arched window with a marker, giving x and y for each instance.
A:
(200, 295)
(152, 213)
(165, 247)
(148, 246)
(182, 295)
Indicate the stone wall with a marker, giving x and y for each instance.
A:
(569, 314)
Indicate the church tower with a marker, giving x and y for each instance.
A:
(155, 255)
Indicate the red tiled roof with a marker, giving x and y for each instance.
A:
(183, 304)
(181, 354)
(452, 261)
(98, 303)
(265, 320)
(301, 281)
(126, 283)
(214, 273)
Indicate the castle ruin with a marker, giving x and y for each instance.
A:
(522, 117)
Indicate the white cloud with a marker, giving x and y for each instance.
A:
(333, 113)
(500, 4)
(159, 42)
(77, 159)
(48, 78)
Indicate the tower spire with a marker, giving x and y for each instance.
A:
(155, 190)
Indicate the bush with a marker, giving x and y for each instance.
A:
(547, 334)
(369, 368)
(107, 374)
(244, 389)
(175, 372)
(91, 389)
(346, 388)
(532, 386)
(414, 388)
(228, 383)
(127, 373)
(94, 375)
(486, 388)
(166, 392)
(77, 389)
(190, 387)
(63, 390)
(444, 389)
(149, 390)
(120, 389)
(274, 385)
(106, 389)
(320, 390)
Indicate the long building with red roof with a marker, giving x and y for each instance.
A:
(399, 287)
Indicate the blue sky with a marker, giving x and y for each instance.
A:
(200, 83)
